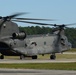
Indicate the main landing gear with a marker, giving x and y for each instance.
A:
(23, 57)
(2, 57)
(53, 57)
(34, 57)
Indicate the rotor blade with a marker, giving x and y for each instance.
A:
(33, 22)
(9, 17)
(70, 24)
(34, 19)
(66, 24)
(15, 15)
(63, 25)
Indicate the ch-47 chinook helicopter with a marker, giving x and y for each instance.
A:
(15, 43)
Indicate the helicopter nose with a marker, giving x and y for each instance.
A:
(0, 17)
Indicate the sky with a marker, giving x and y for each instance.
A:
(63, 11)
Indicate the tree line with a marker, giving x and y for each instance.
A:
(34, 30)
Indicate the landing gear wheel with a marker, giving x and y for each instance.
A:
(34, 57)
(53, 57)
(2, 57)
(22, 56)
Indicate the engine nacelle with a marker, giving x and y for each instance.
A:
(21, 35)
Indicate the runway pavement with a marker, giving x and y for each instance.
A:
(37, 61)
(35, 72)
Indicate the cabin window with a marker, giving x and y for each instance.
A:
(44, 42)
(34, 43)
(4, 25)
(25, 45)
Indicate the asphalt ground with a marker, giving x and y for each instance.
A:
(35, 72)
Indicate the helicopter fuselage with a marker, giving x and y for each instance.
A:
(15, 43)
(34, 46)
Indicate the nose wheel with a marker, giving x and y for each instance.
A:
(53, 57)
(34, 57)
(2, 57)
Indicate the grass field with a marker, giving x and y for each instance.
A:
(51, 66)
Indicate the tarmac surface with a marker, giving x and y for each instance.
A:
(35, 72)
(37, 61)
